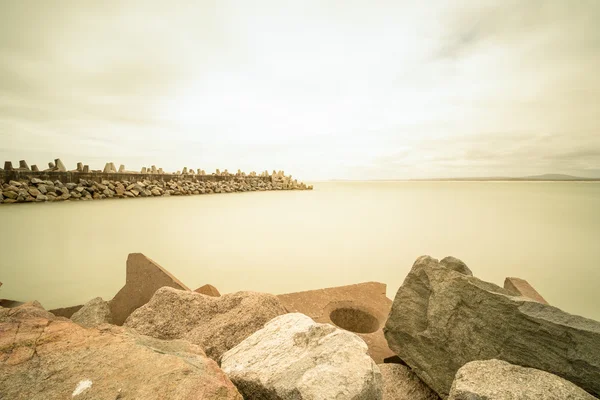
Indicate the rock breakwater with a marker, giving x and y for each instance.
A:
(24, 185)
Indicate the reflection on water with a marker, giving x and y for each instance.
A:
(341, 233)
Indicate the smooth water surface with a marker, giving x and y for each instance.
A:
(548, 233)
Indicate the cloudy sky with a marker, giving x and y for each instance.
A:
(322, 89)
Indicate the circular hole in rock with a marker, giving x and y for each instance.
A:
(354, 320)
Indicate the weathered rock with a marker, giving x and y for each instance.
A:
(499, 380)
(293, 357)
(143, 278)
(441, 319)
(44, 357)
(208, 290)
(456, 265)
(400, 383)
(215, 323)
(94, 313)
(9, 194)
(362, 309)
(41, 197)
(521, 287)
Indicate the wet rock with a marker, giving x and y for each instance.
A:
(293, 357)
(94, 313)
(215, 323)
(400, 383)
(442, 319)
(45, 357)
(499, 380)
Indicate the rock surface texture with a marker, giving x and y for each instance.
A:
(361, 309)
(94, 313)
(442, 319)
(45, 357)
(215, 323)
(499, 380)
(400, 383)
(521, 287)
(294, 358)
(143, 278)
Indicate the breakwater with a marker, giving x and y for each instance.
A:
(56, 183)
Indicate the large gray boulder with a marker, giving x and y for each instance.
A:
(215, 323)
(400, 383)
(442, 319)
(295, 358)
(94, 313)
(499, 380)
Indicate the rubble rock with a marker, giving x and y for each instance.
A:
(442, 319)
(46, 357)
(293, 357)
(94, 313)
(215, 323)
(499, 380)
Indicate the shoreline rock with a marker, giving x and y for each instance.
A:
(294, 358)
(47, 357)
(57, 184)
(215, 323)
(442, 319)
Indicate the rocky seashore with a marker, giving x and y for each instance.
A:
(448, 334)
(23, 185)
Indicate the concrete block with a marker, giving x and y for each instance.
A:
(51, 165)
(8, 166)
(23, 165)
(121, 168)
(86, 169)
(59, 165)
(66, 312)
(143, 278)
(521, 287)
(154, 169)
(143, 170)
(79, 167)
(35, 168)
(362, 309)
(208, 290)
(160, 171)
(185, 171)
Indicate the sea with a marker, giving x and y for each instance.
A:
(341, 233)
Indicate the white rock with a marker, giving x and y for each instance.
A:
(293, 357)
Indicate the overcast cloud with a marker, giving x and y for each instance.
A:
(321, 89)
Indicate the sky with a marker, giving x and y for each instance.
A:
(336, 89)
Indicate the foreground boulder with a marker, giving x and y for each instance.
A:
(442, 319)
(94, 313)
(215, 323)
(499, 380)
(293, 357)
(46, 357)
(400, 383)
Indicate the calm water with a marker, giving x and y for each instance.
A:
(341, 233)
